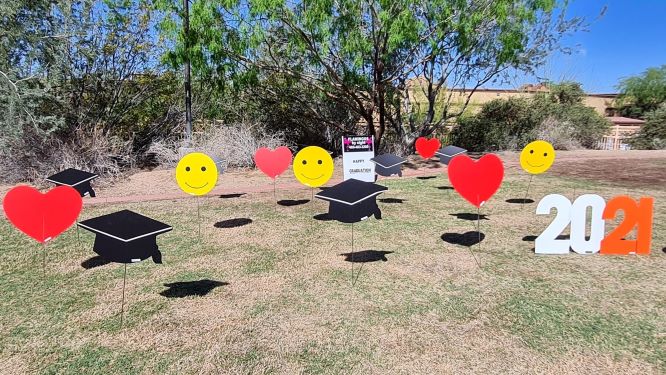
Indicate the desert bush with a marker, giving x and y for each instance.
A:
(230, 145)
(500, 125)
(561, 134)
(33, 156)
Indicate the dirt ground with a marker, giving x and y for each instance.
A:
(640, 169)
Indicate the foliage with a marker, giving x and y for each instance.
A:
(233, 145)
(72, 71)
(652, 135)
(642, 94)
(360, 54)
(511, 123)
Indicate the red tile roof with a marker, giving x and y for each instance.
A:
(625, 120)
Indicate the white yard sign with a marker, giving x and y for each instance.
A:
(356, 154)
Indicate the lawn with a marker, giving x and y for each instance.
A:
(275, 295)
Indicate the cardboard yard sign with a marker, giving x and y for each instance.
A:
(352, 200)
(476, 181)
(637, 214)
(273, 162)
(357, 152)
(196, 173)
(79, 180)
(313, 166)
(537, 157)
(126, 237)
(42, 216)
(388, 164)
(427, 147)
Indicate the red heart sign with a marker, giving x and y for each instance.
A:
(272, 163)
(42, 216)
(427, 147)
(476, 181)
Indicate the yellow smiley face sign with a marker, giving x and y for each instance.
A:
(537, 157)
(313, 166)
(196, 173)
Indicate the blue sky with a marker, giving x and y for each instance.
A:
(629, 38)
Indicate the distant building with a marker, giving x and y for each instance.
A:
(623, 128)
(603, 104)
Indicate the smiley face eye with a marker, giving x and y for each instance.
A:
(531, 151)
(187, 169)
(305, 162)
(545, 154)
(203, 169)
(319, 161)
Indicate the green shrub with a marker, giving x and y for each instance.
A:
(506, 124)
(652, 135)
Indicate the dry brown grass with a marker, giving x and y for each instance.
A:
(290, 307)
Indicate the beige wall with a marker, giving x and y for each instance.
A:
(600, 102)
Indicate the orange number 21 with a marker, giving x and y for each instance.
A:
(636, 214)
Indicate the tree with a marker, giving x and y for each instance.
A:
(642, 94)
(567, 92)
(364, 54)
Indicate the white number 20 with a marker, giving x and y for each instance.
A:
(576, 214)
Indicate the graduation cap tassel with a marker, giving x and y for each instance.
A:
(122, 301)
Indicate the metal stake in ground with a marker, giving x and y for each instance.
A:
(122, 303)
(528, 190)
(352, 253)
(44, 257)
(78, 236)
(478, 230)
(199, 216)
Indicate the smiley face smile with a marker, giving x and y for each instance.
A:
(197, 187)
(196, 173)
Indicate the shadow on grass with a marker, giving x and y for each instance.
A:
(392, 200)
(426, 177)
(445, 187)
(465, 239)
(96, 261)
(234, 195)
(520, 200)
(233, 223)
(322, 217)
(183, 289)
(291, 202)
(470, 216)
(366, 256)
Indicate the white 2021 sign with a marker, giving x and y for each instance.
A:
(637, 214)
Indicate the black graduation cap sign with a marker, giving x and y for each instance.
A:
(352, 200)
(126, 237)
(79, 180)
(388, 164)
(447, 153)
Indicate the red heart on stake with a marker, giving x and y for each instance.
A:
(272, 162)
(427, 147)
(42, 216)
(476, 181)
